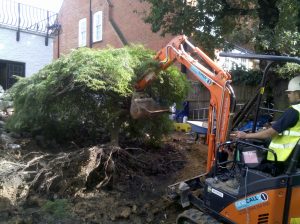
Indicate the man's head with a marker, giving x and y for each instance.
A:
(293, 90)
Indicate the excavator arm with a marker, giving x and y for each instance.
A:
(211, 75)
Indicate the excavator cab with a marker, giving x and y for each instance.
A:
(232, 191)
(240, 190)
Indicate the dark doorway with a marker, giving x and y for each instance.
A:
(8, 69)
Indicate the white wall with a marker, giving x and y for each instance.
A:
(30, 49)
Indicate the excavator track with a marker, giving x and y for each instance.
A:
(194, 216)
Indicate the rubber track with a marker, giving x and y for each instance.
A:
(194, 216)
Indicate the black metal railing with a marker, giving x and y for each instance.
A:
(27, 18)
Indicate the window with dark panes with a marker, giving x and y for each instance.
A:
(9, 69)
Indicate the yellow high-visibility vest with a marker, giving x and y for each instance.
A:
(284, 143)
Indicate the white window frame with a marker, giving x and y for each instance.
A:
(97, 26)
(82, 32)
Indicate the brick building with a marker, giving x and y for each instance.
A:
(98, 23)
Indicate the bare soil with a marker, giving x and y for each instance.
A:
(100, 184)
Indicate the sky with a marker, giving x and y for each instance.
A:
(51, 5)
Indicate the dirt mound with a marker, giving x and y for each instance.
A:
(101, 184)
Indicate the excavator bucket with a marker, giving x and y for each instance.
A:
(142, 106)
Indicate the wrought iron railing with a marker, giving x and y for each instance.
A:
(27, 18)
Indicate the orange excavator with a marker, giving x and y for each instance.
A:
(232, 190)
(213, 77)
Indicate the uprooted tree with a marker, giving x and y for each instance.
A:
(82, 97)
(87, 94)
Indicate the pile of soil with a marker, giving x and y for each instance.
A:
(99, 184)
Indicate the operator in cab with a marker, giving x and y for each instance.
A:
(285, 132)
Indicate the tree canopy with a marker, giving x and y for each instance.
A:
(87, 93)
(267, 25)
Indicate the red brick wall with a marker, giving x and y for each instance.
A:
(128, 14)
(122, 12)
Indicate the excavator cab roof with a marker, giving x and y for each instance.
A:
(265, 57)
(256, 99)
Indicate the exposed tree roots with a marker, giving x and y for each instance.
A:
(82, 170)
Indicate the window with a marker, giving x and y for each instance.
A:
(82, 33)
(9, 69)
(97, 26)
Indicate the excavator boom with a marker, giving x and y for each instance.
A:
(207, 72)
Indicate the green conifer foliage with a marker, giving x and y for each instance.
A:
(87, 93)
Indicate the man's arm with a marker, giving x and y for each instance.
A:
(265, 134)
(288, 119)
